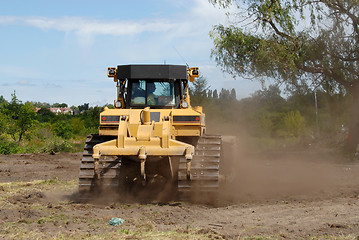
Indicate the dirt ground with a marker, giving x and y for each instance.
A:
(307, 195)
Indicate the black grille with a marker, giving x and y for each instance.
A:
(110, 119)
(186, 119)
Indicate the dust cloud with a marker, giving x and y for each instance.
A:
(250, 176)
(281, 175)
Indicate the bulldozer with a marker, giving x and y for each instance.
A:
(152, 136)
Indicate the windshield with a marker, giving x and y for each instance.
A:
(152, 93)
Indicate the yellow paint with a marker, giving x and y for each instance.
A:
(138, 136)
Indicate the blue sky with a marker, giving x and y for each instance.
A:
(59, 51)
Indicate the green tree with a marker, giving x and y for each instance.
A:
(110, 106)
(233, 94)
(91, 117)
(63, 129)
(45, 115)
(198, 91)
(41, 104)
(3, 122)
(325, 53)
(294, 123)
(224, 94)
(2, 100)
(77, 125)
(3, 116)
(210, 93)
(215, 94)
(21, 118)
(269, 98)
(59, 105)
(84, 107)
(268, 122)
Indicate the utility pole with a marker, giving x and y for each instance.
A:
(316, 112)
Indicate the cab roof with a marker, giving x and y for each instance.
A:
(160, 72)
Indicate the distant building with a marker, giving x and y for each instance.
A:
(64, 110)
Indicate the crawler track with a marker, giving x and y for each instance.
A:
(109, 168)
(204, 168)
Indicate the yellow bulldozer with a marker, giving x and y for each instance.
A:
(153, 135)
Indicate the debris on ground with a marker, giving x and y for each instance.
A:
(116, 221)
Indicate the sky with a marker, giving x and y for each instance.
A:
(59, 51)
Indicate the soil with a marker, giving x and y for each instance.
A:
(280, 195)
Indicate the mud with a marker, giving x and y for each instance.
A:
(297, 195)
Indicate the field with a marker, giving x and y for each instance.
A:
(307, 195)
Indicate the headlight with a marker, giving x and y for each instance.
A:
(184, 104)
(118, 104)
(111, 72)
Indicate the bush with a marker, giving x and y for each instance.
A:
(294, 123)
(57, 144)
(63, 129)
(78, 126)
(8, 147)
(43, 132)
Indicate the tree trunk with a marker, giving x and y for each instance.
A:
(353, 138)
(20, 136)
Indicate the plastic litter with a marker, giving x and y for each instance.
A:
(116, 221)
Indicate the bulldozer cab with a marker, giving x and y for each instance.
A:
(153, 93)
(154, 86)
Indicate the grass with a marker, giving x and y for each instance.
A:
(35, 145)
(61, 218)
(16, 230)
(11, 192)
(13, 188)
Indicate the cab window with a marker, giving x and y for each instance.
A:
(153, 93)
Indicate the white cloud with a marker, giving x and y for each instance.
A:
(6, 20)
(191, 22)
(151, 40)
(90, 26)
(86, 29)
